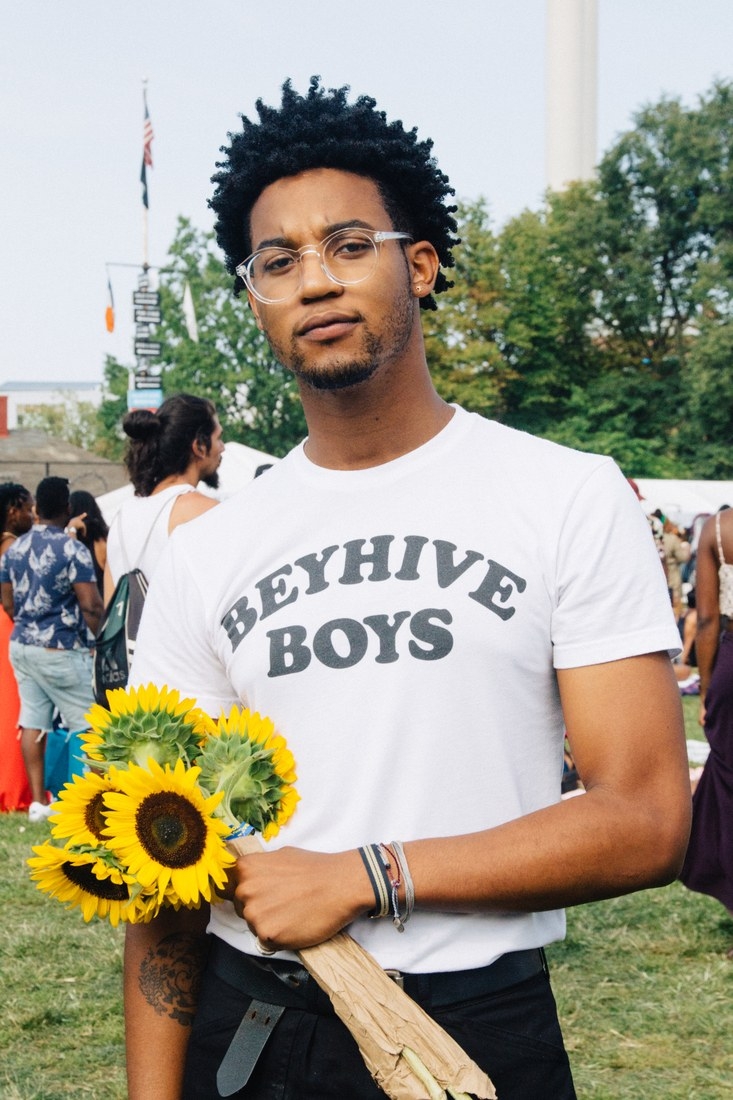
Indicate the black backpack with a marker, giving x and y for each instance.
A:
(115, 644)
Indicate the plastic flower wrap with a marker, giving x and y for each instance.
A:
(147, 825)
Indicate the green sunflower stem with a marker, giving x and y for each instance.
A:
(423, 1074)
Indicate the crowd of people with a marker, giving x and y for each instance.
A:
(434, 609)
(59, 562)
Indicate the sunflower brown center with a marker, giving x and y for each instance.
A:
(83, 877)
(94, 818)
(171, 829)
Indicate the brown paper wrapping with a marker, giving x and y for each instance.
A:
(384, 1021)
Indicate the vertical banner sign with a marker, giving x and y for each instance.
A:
(147, 392)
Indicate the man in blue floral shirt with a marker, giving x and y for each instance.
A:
(49, 589)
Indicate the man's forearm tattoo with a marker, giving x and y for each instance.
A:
(170, 976)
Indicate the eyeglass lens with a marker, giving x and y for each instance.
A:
(348, 256)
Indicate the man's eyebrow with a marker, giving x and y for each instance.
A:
(288, 242)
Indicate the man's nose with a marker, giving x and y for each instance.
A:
(314, 281)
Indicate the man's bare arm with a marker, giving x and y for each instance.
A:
(7, 599)
(164, 961)
(90, 602)
(629, 831)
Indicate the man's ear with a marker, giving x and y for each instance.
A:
(424, 267)
(254, 305)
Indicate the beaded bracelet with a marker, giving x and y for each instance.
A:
(395, 881)
(399, 852)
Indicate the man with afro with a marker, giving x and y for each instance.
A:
(425, 603)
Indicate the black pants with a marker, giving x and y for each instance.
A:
(513, 1035)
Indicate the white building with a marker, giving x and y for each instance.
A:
(26, 395)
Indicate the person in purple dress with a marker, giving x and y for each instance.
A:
(708, 866)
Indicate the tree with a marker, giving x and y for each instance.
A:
(550, 270)
(256, 399)
(465, 359)
(602, 320)
(72, 420)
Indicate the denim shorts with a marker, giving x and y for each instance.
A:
(50, 679)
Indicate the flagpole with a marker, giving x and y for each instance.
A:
(144, 179)
(145, 391)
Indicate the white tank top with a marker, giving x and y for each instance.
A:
(725, 576)
(139, 532)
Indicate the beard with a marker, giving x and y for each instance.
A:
(211, 480)
(339, 372)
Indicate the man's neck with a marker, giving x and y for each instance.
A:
(372, 423)
(190, 476)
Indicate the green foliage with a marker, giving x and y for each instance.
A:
(642, 985)
(643, 991)
(72, 420)
(256, 399)
(61, 1032)
(113, 408)
(603, 320)
(461, 335)
(708, 429)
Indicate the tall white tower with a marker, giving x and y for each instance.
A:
(571, 91)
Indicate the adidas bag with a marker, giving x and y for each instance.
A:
(115, 643)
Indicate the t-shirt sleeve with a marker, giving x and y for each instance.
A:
(611, 594)
(81, 566)
(172, 647)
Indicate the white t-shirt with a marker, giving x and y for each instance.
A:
(139, 532)
(401, 626)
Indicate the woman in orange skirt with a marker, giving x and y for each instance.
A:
(16, 517)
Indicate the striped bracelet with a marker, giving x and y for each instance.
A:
(378, 877)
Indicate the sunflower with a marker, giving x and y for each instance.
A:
(144, 723)
(163, 828)
(251, 764)
(92, 881)
(78, 815)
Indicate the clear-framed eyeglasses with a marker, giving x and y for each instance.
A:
(347, 256)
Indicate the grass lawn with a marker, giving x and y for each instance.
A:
(642, 983)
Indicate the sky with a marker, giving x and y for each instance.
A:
(469, 74)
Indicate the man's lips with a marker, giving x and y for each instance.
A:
(327, 326)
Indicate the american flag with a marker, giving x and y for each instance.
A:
(147, 151)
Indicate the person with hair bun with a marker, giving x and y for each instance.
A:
(169, 452)
(16, 517)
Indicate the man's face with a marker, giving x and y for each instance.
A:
(212, 462)
(332, 336)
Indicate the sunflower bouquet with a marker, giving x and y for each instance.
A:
(158, 821)
(147, 825)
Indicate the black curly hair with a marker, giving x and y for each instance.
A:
(323, 130)
(12, 495)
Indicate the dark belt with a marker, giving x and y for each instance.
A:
(274, 985)
(289, 984)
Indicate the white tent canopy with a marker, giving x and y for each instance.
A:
(683, 500)
(238, 466)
